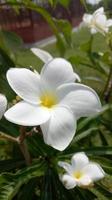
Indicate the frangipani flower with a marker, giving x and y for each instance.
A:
(97, 22)
(46, 58)
(3, 105)
(51, 100)
(93, 2)
(81, 172)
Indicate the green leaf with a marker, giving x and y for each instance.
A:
(11, 183)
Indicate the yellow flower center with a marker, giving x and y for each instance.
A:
(48, 100)
(77, 174)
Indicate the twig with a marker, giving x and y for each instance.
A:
(23, 145)
(8, 137)
(21, 142)
(25, 152)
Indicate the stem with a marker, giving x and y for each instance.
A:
(25, 152)
(21, 142)
(23, 145)
(108, 87)
(84, 4)
(8, 137)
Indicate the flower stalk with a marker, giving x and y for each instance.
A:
(108, 86)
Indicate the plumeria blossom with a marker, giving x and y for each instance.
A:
(93, 2)
(51, 99)
(47, 57)
(3, 105)
(97, 22)
(81, 172)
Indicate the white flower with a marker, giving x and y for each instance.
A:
(46, 58)
(93, 2)
(97, 22)
(3, 105)
(81, 172)
(51, 100)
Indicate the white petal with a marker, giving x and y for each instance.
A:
(94, 171)
(66, 166)
(82, 100)
(84, 181)
(57, 72)
(3, 105)
(99, 11)
(79, 160)
(58, 132)
(109, 22)
(100, 22)
(68, 181)
(77, 77)
(93, 2)
(93, 31)
(26, 114)
(43, 55)
(87, 19)
(25, 83)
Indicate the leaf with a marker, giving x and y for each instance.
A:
(84, 134)
(65, 28)
(11, 183)
(98, 194)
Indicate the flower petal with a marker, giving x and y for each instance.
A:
(87, 19)
(79, 160)
(94, 171)
(66, 166)
(43, 55)
(68, 181)
(57, 72)
(82, 100)
(99, 11)
(3, 105)
(25, 83)
(109, 22)
(26, 114)
(84, 181)
(60, 129)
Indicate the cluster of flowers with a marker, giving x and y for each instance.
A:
(54, 100)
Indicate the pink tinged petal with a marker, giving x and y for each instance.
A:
(43, 55)
(94, 171)
(57, 72)
(25, 83)
(84, 181)
(66, 166)
(82, 100)
(79, 160)
(3, 105)
(58, 132)
(68, 181)
(26, 114)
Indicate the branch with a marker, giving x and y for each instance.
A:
(21, 142)
(23, 145)
(8, 137)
